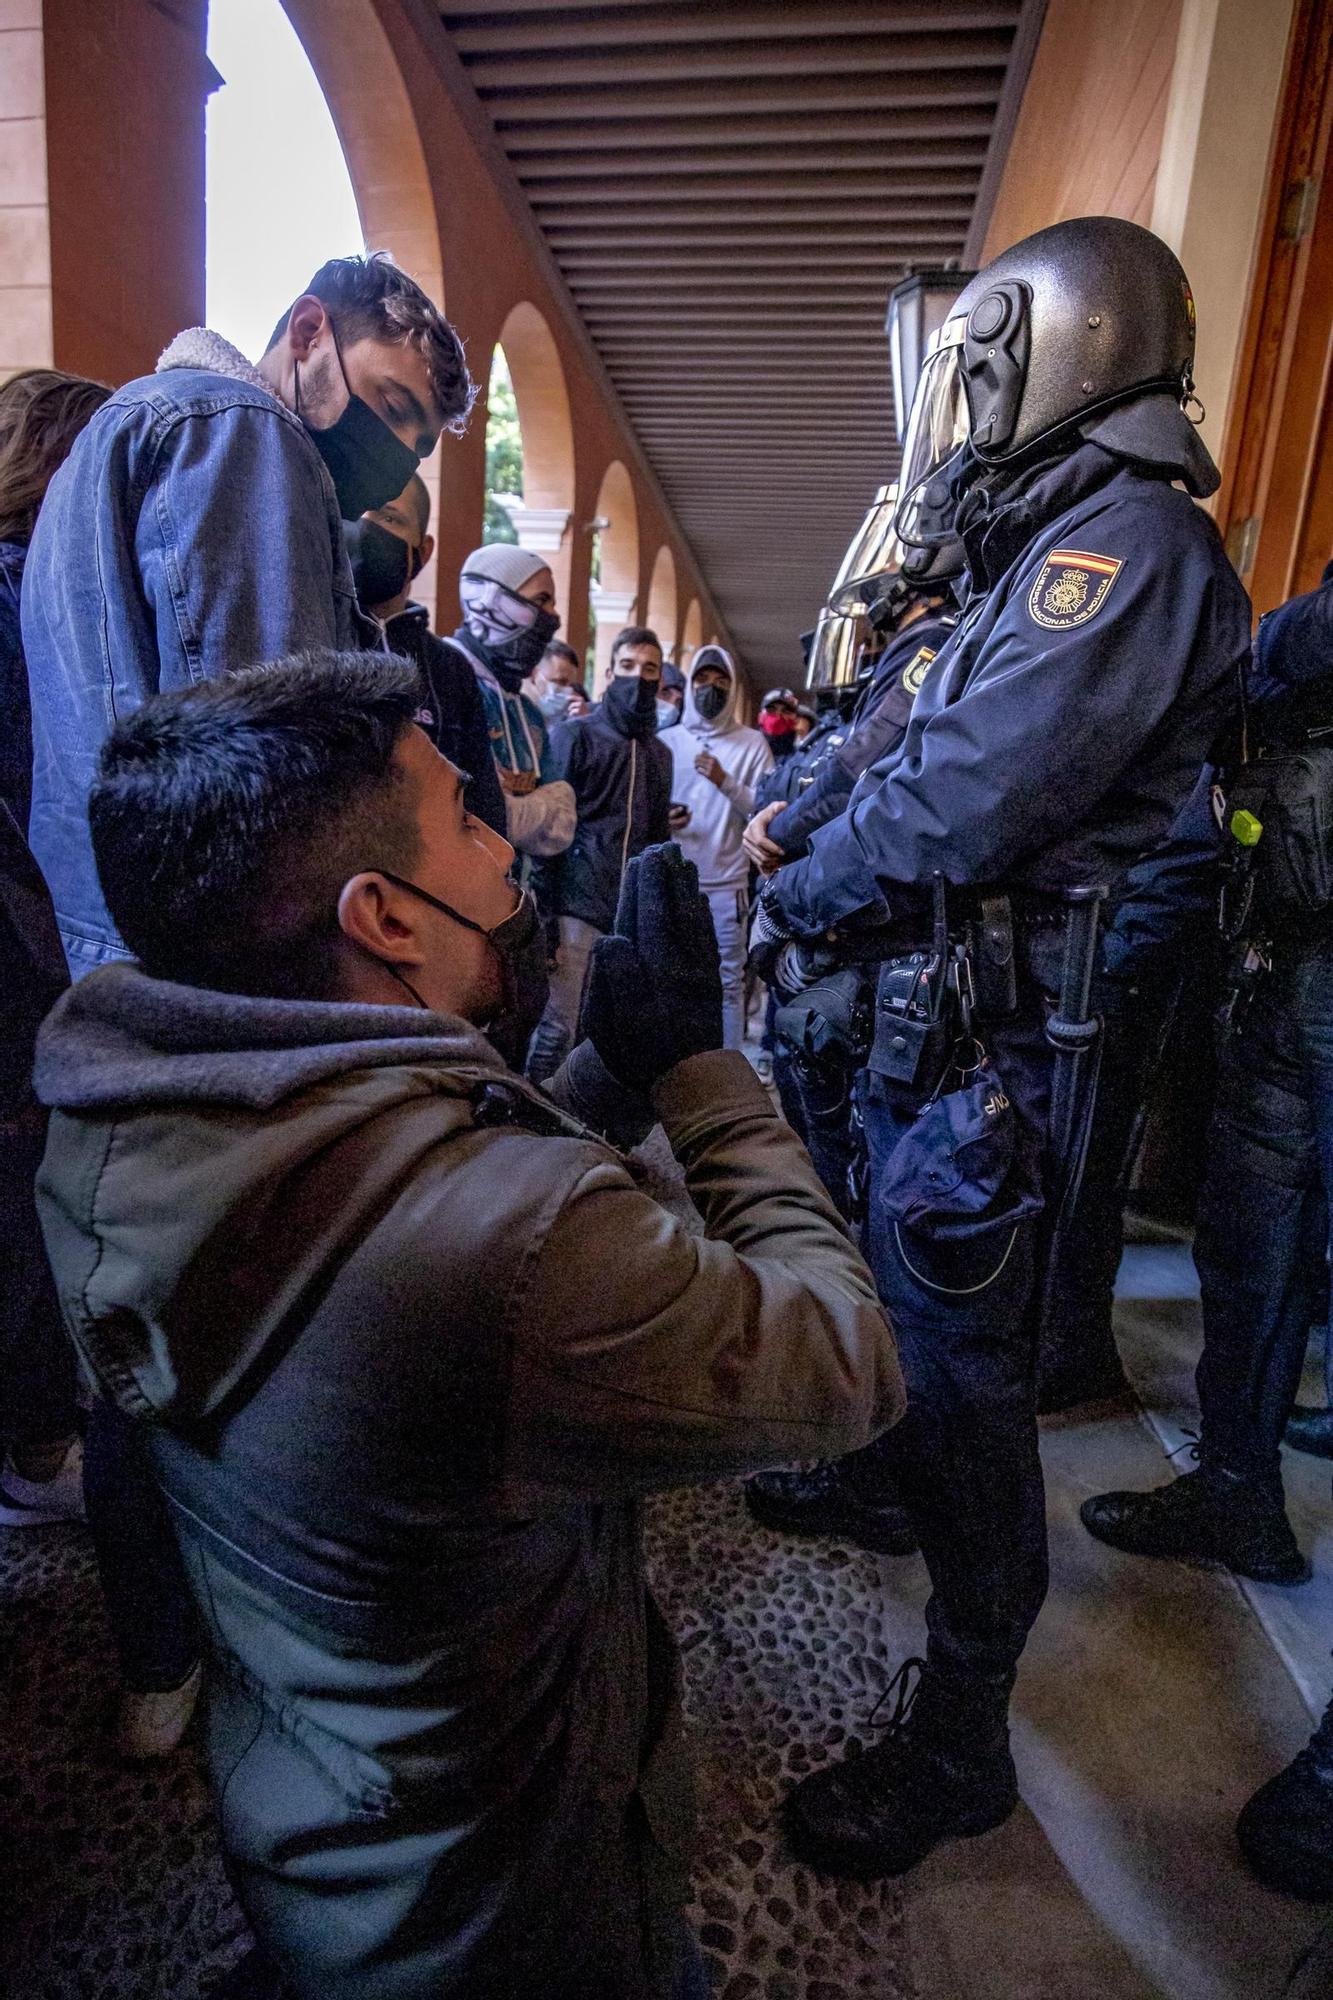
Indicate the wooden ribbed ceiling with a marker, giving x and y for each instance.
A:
(731, 188)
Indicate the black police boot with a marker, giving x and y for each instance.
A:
(1286, 1830)
(823, 1501)
(1310, 1430)
(942, 1772)
(1208, 1516)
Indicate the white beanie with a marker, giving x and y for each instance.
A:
(502, 562)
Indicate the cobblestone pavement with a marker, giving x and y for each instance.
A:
(115, 1888)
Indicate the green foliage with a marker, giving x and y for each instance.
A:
(595, 576)
(504, 450)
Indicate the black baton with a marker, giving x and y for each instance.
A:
(1074, 1028)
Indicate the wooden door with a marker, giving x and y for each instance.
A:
(1275, 506)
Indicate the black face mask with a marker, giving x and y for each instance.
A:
(512, 662)
(383, 564)
(367, 463)
(631, 702)
(710, 701)
(520, 944)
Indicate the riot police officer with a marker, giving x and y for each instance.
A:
(1270, 1154)
(1054, 738)
(1265, 1194)
(916, 612)
(911, 610)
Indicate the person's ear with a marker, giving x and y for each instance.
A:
(305, 323)
(380, 918)
(427, 549)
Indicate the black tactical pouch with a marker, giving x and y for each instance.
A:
(827, 1025)
(990, 944)
(909, 1028)
(1282, 806)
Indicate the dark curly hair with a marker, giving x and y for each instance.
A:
(227, 816)
(635, 635)
(371, 298)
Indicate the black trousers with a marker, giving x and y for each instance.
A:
(819, 1111)
(1265, 1197)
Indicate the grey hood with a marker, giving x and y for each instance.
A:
(120, 1042)
(186, 1125)
(710, 656)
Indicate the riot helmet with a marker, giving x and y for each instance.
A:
(1085, 328)
(879, 576)
(836, 650)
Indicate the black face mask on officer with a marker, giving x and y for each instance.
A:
(519, 943)
(383, 564)
(368, 465)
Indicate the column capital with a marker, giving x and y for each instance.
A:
(541, 529)
(611, 605)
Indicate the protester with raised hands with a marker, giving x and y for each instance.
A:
(416, 1339)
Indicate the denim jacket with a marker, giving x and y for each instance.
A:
(192, 529)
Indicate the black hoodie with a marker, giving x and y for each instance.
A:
(622, 784)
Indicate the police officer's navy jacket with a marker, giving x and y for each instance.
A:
(1294, 644)
(1063, 725)
(791, 774)
(407, 1367)
(875, 731)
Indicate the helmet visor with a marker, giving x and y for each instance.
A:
(835, 651)
(873, 554)
(936, 430)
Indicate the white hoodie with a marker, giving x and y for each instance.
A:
(718, 813)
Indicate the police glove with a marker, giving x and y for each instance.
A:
(654, 992)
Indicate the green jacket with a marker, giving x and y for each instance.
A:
(412, 1344)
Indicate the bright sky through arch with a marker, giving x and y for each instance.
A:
(280, 197)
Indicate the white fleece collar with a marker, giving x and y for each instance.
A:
(199, 347)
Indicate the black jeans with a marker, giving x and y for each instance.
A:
(1266, 1187)
(964, 1458)
(37, 1374)
(148, 1600)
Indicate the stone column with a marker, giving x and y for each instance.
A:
(25, 234)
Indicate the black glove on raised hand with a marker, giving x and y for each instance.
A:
(654, 992)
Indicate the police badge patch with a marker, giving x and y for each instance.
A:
(1071, 587)
(915, 671)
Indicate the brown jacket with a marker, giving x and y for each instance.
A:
(412, 1344)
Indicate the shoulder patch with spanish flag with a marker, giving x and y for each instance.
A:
(915, 670)
(1071, 587)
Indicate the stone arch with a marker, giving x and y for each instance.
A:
(537, 373)
(615, 595)
(692, 633)
(662, 612)
(372, 113)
